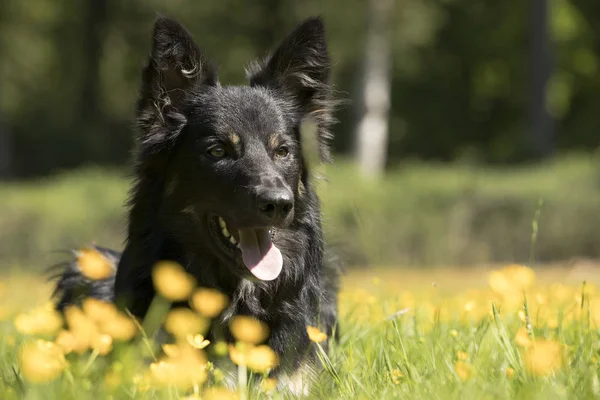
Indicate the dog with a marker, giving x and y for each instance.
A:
(222, 186)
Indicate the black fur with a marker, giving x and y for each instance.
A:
(180, 187)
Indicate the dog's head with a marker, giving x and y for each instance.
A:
(230, 156)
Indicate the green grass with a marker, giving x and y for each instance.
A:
(412, 355)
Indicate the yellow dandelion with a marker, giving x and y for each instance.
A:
(463, 370)
(184, 353)
(98, 310)
(543, 357)
(171, 281)
(470, 306)
(209, 302)
(396, 375)
(462, 356)
(69, 343)
(249, 330)
(261, 359)
(315, 334)
(181, 322)
(268, 385)
(39, 321)
(81, 327)
(41, 361)
(218, 375)
(102, 344)
(215, 393)
(197, 341)
(522, 338)
(511, 279)
(238, 353)
(454, 333)
(121, 327)
(94, 265)
(220, 348)
(177, 373)
(509, 372)
(79, 323)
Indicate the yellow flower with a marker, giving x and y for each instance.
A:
(183, 371)
(509, 372)
(68, 342)
(522, 337)
(171, 281)
(470, 306)
(98, 310)
(238, 353)
(209, 302)
(121, 327)
(454, 333)
(249, 330)
(220, 348)
(462, 356)
(261, 359)
(511, 279)
(315, 334)
(215, 393)
(543, 357)
(268, 385)
(41, 361)
(463, 370)
(93, 265)
(102, 343)
(396, 375)
(39, 321)
(181, 322)
(197, 341)
(81, 327)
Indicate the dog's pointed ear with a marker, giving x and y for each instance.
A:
(300, 69)
(175, 68)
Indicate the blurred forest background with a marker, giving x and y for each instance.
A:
(468, 118)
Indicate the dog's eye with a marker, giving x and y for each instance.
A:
(282, 152)
(217, 151)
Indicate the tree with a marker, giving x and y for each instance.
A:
(372, 129)
(542, 126)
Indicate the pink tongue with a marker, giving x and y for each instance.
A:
(260, 255)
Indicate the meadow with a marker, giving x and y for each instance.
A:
(509, 332)
(456, 294)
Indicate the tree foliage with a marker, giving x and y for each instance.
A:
(459, 81)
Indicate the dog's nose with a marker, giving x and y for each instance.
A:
(275, 204)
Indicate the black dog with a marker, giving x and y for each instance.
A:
(223, 188)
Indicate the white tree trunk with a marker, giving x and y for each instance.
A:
(372, 128)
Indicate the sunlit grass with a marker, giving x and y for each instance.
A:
(504, 332)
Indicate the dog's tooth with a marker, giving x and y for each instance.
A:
(232, 240)
(222, 223)
(225, 232)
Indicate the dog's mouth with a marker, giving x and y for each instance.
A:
(258, 252)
